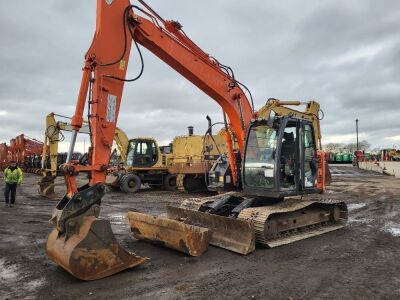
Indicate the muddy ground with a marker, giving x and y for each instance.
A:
(361, 261)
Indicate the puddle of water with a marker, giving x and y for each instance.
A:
(366, 223)
(354, 220)
(11, 276)
(8, 273)
(354, 206)
(118, 216)
(394, 230)
(118, 219)
(35, 284)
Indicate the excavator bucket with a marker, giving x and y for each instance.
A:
(112, 180)
(46, 187)
(92, 252)
(229, 233)
(177, 235)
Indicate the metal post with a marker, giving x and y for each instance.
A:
(358, 148)
(72, 145)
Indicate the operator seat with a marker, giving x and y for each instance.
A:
(288, 146)
(288, 151)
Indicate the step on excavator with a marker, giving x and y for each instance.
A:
(277, 165)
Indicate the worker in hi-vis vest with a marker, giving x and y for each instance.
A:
(13, 177)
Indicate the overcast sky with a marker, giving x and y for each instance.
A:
(344, 54)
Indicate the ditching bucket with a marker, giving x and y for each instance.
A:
(177, 235)
(229, 233)
(91, 253)
(46, 187)
(112, 180)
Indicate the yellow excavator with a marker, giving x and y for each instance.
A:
(51, 158)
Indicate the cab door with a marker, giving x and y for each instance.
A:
(308, 153)
(289, 156)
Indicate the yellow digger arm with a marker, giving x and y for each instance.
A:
(122, 141)
(310, 113)
(52, 138)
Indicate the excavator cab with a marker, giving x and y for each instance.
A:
(280, 158)
(142, 153)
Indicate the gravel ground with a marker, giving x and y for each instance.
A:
(360, 261)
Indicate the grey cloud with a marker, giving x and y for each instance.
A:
(283, 49)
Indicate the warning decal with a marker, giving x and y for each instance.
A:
(111, 104)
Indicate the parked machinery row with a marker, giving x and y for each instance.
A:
(25, 151)
(184, 163)
(339, 158)
(5, 155)
(138, 161)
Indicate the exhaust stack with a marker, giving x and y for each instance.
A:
(190, 130)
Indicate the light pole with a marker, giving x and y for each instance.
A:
(357, 134)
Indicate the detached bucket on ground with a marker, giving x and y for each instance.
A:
(92, 252)
(173, 234)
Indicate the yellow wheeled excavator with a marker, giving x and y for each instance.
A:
(277, 171)
(145, 163)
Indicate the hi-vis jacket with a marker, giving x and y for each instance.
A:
(13, 176)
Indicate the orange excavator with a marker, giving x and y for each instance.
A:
(280, 157)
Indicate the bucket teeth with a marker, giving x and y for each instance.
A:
(46, 188)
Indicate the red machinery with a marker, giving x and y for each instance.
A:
(4, 155)
(24, 151)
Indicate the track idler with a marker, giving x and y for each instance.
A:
(84, 245)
